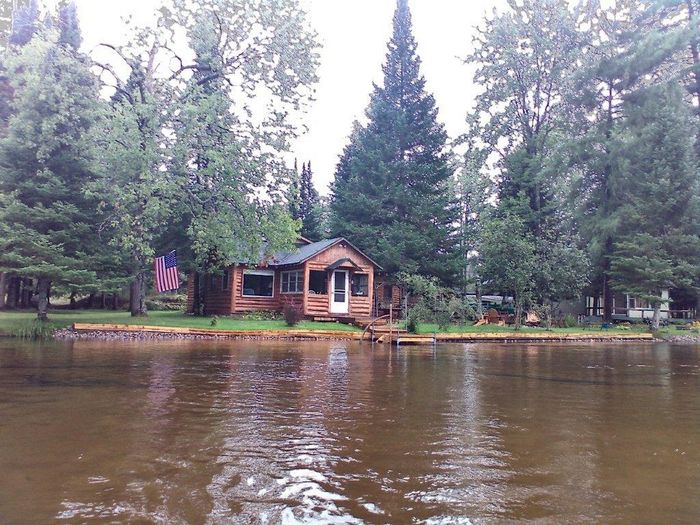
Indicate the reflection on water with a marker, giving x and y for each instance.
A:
(250, 432)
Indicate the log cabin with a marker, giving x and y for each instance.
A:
(328, 280)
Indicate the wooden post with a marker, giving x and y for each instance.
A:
(391, 321)
(305, 290)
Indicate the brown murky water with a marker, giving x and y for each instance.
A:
(249, 432)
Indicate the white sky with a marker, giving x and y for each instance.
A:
(354, 35)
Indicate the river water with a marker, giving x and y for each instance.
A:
(268, 432)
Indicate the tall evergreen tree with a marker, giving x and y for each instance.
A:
(309, 211)
(46, 159)
(26, 22)
(658, 247)
(293, 193)
(623, 56)
(391, 194)
(68, 25)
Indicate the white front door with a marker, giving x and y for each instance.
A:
(339, 292)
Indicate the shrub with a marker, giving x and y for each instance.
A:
(214, 321)
(412, 322)
(569, 321)
(262, 315)
(292, 314)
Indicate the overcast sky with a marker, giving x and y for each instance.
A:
(354, 35)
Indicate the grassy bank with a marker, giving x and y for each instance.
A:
(672, 330)
(18, 323)
(23, 324)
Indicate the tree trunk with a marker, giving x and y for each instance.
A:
(607, 297)
(115, 301)
(203, 294)
(479, 306)
(656, 318)
(25, 292)
(518, 313)
(42, 296)
(196, 295)
(103, 301)
(72, 300)
(12, 292)
(137, 295)
(3, 289)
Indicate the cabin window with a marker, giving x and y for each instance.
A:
(258, 283)
(225, 279)
(292, 282)
(360, 284)
(318, 282)
(212, 282)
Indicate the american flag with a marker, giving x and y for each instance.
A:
(166, 273)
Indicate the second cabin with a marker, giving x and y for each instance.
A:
(329, 279)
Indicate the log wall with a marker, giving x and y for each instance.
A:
(224, 302)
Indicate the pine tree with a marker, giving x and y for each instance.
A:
(309, 211)
(26, 22)
(293, 193)
(68, 25)
(623, 56)
(391, 194)
(657, 247)
(46, 159)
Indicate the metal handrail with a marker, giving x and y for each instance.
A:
(371, 324)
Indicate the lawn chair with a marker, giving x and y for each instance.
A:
(493, 317)
(532, 319)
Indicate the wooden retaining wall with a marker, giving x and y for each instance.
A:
(292, 333)
(283, 333)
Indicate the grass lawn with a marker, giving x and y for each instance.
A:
(18, 323)
(428, 328)
(12, 323)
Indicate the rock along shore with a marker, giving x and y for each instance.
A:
(111, 335)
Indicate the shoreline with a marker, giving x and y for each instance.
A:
(111, 332)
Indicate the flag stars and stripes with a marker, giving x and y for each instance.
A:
(167, 277)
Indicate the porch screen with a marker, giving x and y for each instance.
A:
(360, 284)
(258, 284)
(318, 282)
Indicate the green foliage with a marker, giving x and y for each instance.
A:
(34, 330)
(309, 206)
(412, 325)
(292, 314)
(68, 26)
(46, 159)
(391, 193)
(658, 246)
(569, 321)
(27, 22)
(167, 303)
(429, 301)
(524, 56)
(263, 315)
